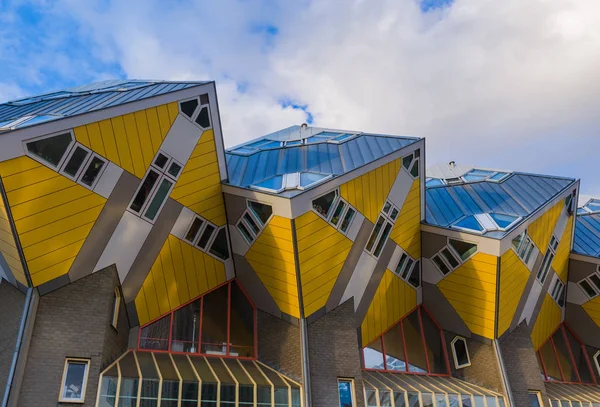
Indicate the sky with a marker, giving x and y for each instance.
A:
(507, 84)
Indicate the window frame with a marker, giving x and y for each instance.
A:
(415, 159)
(84, 361)
(352, 389)
(455, 254)
(538, 395)
(116, 308)
(407, 269)
(596, 358)
(455, 356)
(259, 223)
(86, 165)
(557, 291)
(547, 260)
(526, 246)
(83, 165)
(593, 285)
(197, 111)
(387, 219)
(212, 237)
(338, 198)
(211, 241)
(40, 159)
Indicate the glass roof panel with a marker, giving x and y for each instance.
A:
(470, 222)
(503, 221)
(308, 178)
(36, 119)
(434, 182)
(498, 176)
(274, 183)
(316, 139)
(293, 143)
(343, 137)
(244, 150)
(474, 177)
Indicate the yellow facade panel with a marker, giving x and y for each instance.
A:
(322, 251)
(180, 273)
(560, 264)
(96, 142)
(122, 143)
(407, 229)
(368, 192)
(471, 290)
(513, 279)
(393, 299)
(8, 247)
(272, 258)
(110, 144)
(541, 230)
(592, 307)
(548, 319)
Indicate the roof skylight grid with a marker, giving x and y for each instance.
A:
(267, 144)
(475, 175)
(591, 206)
(294, 180)
(486, 222)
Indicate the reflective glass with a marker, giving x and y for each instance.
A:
(394, 349)
(155, 336)
(345, 392)
(437, 260)
(434, 182)
(335, 218)
(214, 322)
(174, 169)
(219, 246)
(159, 198)
(399, 399)
(51, 149)
(383, 239)
(144, 191)
(273, 183)
(413, 399)
(435, 347)
(208, 395)
(281, 397)
(93, 170)
(491, 401)
(587, 288)
(246, 395)
(206, 235)
(74, 383)
(149, 393)
(250, 221)
(371, 396)
(453, 400)
(373, 355)
(562, 350)
(414, 343)
(498, 176)
(406, 161)
(308, 178)
(415, 275)
(440, 400)
(375, 233)
(189, 394)
(479, 401)
(186, 328)
(128, 392)
(323, 204)
(75, 161)
(464, 249)
(427, 399)
(347, 219)
(414, 171)
(263, 212)
(466, 400)
(470, 222)
(449, 256)
(203, 118)
(161, 160)
(385, 399)
(503, 221)
(170, 393)
(194, 229)
(108, 391)
(263, 396)
(242, 324)
(227, 394)
(546, 353)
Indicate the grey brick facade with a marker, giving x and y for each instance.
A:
(11, 306)
(279, 344)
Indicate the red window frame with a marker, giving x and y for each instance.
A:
(171, 313)
(562, 328)
(419, 309)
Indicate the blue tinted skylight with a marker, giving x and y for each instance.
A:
(36, 120)
(343, 137)
(5, 122)
(593, 205)
(434, 182)
(293, 143)
(477, 175)
(274, 183)
(327, 134)
(470, 222)
(503, 221)
(498, 176)
(309, 178)
(244, 150)
(316, 139)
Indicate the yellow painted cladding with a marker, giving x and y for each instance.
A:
(392, 301)
(541, 230)
(368, 192)
(560, 264)
(407, 230)
(8, 247)
(132, 140)
(53, 216)
(199, 186)
(322, 251)
(272, 258)
(514, 275)
(179, 274)
(471, 289)
(592, 307)
(548, 319)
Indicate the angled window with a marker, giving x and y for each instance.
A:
(116, 307)
(589, 290)
(413, 345)
(597, 361)
(188, 107)
(92, 171)
(453, 255)
(460, 352)
(477, 174)
(470, 224)
(74, 163)
(434, 182)
(414, 278)
(220, 322)
(409, 270)
(219, 246)
(504, 222)
(411, 163)
(324, 204)
(523, 246)
(203, 118)
(254, 219)
(208, 238)
(464, 249)
(335, 210)
(382, 229)
(558, 292)
(197, 110)
(74, 380)
(547, 262)
(51, 150)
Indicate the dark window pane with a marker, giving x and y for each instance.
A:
(245, 232)
(51, 149)
(188, 107)
(242, 324)
(189, 394)
(399, 399)
(281, 397)
(461, 352)
(246, 395)
(144, 192)
(546, 353)
(251, 223)
(562, 351)
(323, 204)
(450, 258)
(596, 280)
(92, 171)
(414, 344)
(204, 99)
(414, 171)
(374, 234)
(209, 394)
(427, 399)
(407, 160)
(371, 398)
(263, 397)
(75, 161)
(464, 249)
(385, 399)
(466, 400)
(208, 231)
(156, 335)
(159, 198)
(108, 391)
(579, 357)
(263, 212)
(335, 218)
(347, 219)
(401, 263)
(435, 347)
(413, 399)
(214, 322)
(161, 161)
(415, 275)
(437, 260)
(345, 392)
(394, 349)
(203, 118)
(227, 394)
(149, 393)
(384, 235)
(587, 288)
(186, 328)
(219, 246)
(174, 169)
(170, 393)
(194, 229)
(74, 381)
(128, 392)
(373, 355)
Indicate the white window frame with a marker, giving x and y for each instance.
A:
(253, 216)
(415, 158)
(205, 223)
(197, 112)
(486, 222)
(334, 204)
(116, 308)
(455, 356)
(69, 154)
(41, 160)
(408, 268)
(526, 246)
(588, 280)
(387, 218)
(596, 358)
(85, 166)
(557, 291)
(547, 260)
(349, 380)
(84, 382)
(487, 178)
(211, 241)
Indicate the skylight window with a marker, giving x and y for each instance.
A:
(498, 176)
(274, 184)
(434, 182)
(503, 221)
(309, 178)
(483, 222)
(35, 120)
(469, 223)
(292, 143)
(477, 175)
(294, 180)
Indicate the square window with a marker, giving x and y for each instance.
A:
(74, 381)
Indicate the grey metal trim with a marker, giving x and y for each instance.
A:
(540, 301)
(54, 284)
(303, 324)
(254, 286)
(443, 311)
(504, 376)
(132, 314)
(497, 313)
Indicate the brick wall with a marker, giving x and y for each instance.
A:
(521, 364)
(334, 352)
(12, 302)
(73, 321)
(279, 345)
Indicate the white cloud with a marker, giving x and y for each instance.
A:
(505, 84)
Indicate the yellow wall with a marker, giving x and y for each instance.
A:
(392, 301)
(180, 273)
(132, 140)
(53, 216)
(513, 279)
(199, 186)
(407, 229)
(368, 192)
(471, 289)
(541, 230)
(322, 251)
(8, 247)
(560, 264)
(592, 307)
(548, 319)
(272, 258)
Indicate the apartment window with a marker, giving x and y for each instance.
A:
(460, 352)
(411, 163)
(558, 292)
(219, 247)
(74, 380)
(208, 238)
(597, 361)
(116, 307)
(154, 189)
(570, 202)
(591, 284)
(50, 149)
(254, 219)
(547, 262)
(335, 210)
(382, 229)
(409, 269)
(523, 246)
(197, 110)
(453, 255)
(346, 392)
(486, 222)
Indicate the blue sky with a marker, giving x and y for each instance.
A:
(501, 84)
